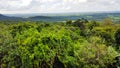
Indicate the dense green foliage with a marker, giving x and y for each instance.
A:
(78, 44)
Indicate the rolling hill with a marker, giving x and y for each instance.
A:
(57, 17)
(3, 17)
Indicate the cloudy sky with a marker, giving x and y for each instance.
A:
(57, 6)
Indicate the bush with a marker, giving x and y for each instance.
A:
(117, 37)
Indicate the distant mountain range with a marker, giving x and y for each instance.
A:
(62, 17)
(3, 17)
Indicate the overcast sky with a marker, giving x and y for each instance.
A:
(57, 6)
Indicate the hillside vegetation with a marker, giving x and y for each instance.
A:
(78, 44)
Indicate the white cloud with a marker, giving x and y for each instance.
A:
(19, 3)
(44, 6)
(79, 1)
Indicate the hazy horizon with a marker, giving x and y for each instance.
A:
(66, 12)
